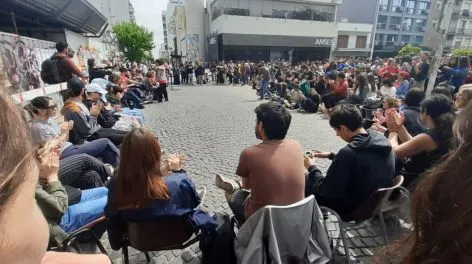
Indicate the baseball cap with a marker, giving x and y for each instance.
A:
(96, 88)
(75, 85)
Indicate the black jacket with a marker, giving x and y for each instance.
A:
(366, 164)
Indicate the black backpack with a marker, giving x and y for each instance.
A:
(50, 71)
(217, 246)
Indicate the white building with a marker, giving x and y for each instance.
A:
(170, 24)
(190, 35)
(354, 40)
(268, 30)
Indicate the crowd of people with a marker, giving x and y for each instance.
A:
(61, 176)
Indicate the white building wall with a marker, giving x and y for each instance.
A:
(273, 26)
(195, 26)
(170, 21)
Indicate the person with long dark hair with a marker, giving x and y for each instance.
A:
(440, 208)
(145, 190)
(426, 149)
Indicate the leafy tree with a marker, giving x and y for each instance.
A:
(409, 51)
(462, 52)
(135, 41)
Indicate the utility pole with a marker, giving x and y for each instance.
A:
(439, 50)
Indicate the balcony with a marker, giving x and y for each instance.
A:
(423, 12)
(397, 9)
(383, 8)
(463, 31)
(394, 27)
(410, 11)
(381, 26)
(465, 13)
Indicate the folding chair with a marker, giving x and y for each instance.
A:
(375, 206)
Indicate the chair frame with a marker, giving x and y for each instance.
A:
(380, 208)
(196, 237)
(87, 229)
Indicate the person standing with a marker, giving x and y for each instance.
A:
(265, 80)
(189, 69)
(66, 67)
(421, 72)
(161, 77)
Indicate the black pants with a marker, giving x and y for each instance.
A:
(162, 92)
(114, 135)
(330, 100)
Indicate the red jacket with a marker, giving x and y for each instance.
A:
(340, 88)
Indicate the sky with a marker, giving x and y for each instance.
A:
(148, 14)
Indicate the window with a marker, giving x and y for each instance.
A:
(405, 38)
(342, 41)
(410, 7)
(278, 13)
(457, 43)
(302, 15)
(237, 12)
(397, 6)
(395, 20)
(396, 3)
(466, 42)
(383, 5)
(419, 39)
(407, 24)
(361, 42)
(423, 8)
(382, 19)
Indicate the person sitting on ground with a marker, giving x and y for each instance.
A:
(145, 190)
(426, 149)
(63, 215)
(463, 97)
(411, 110)
(387, 90)
(338, 92)
(86, 126)
(361, 90)
(442, 201)
(25, 233)
(271, 172)
(403, 85)
(366, 164)
(95, 96)
(44, 128)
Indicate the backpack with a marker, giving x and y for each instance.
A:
(217, 245)
(50, 71)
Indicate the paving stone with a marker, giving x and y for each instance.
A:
(212, 125)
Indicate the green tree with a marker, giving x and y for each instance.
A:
(409, 51)
(462, 52)
(134, 41)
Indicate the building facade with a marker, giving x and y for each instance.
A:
(264, 30)
(353, 40)
(457, 28)
(400, 22)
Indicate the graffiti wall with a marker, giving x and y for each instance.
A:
(20, 62)
(193, 42)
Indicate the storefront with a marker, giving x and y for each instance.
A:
(270, 48)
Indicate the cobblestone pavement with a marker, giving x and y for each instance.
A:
(212, 125)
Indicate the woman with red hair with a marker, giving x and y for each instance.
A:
(145, 189)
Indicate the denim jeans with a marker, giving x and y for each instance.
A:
(264, 86)
(89, 208)
(101, 148)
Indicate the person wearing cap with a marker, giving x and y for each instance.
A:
(86, 126)
(95, 95)
(66, 66)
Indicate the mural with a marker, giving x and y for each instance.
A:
(193, 42)
(20, 62)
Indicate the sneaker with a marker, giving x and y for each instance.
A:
(227, 185)
(110, 170)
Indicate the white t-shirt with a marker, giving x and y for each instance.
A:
(388, 91)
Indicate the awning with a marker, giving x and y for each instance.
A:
(76, 15)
